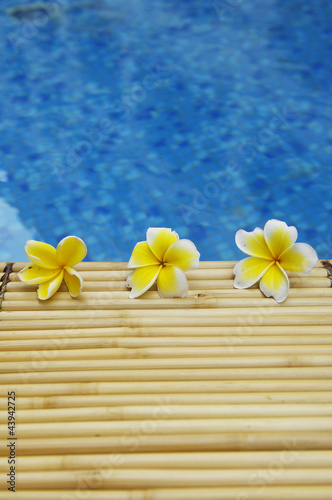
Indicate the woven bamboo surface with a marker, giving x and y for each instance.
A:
(224, 395)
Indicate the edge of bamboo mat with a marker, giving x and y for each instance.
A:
(270, 492)
(236, 380)
(120, 266)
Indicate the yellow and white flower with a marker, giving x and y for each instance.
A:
(50, 266)
(273, 252)
(162, 258)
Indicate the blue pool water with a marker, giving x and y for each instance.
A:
(203, 116)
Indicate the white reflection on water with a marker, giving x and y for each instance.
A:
(13, 234)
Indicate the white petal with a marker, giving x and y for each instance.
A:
(172, 282)
(70, 251)
(41, 254)
(183, 254)
(279, 236)
(73, 281)
(275, 283)
(253, 243)
(142, 256)
(160, 239)
(142, 279)
(299, 258)
(46, 290)
(248, 271)
(34, 274)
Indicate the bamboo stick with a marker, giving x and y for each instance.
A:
(141, 325)
(191, 374)
(193, 369)
(136, 326)
(153, 295)
(236, 398)
(198, 315)
(173, 412)
(268, 492)
(235, 334)
(197, 274)
(63, 342)
(169, 426)
(186, 352)
(42, 363)
(145, 442)
(15, 291)
(160, 388)
(174, 352)
(86, 265)
(194, 284)
(207, 303)
(167, 352)
(121, 266)
(142, 478)
(313, 459)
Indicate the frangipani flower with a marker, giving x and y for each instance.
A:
(273, 252)
(50, 266)
(162, 258)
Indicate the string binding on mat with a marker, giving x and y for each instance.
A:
(5, 280)
(328, 266)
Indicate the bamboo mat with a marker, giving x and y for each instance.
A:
(224, 395)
